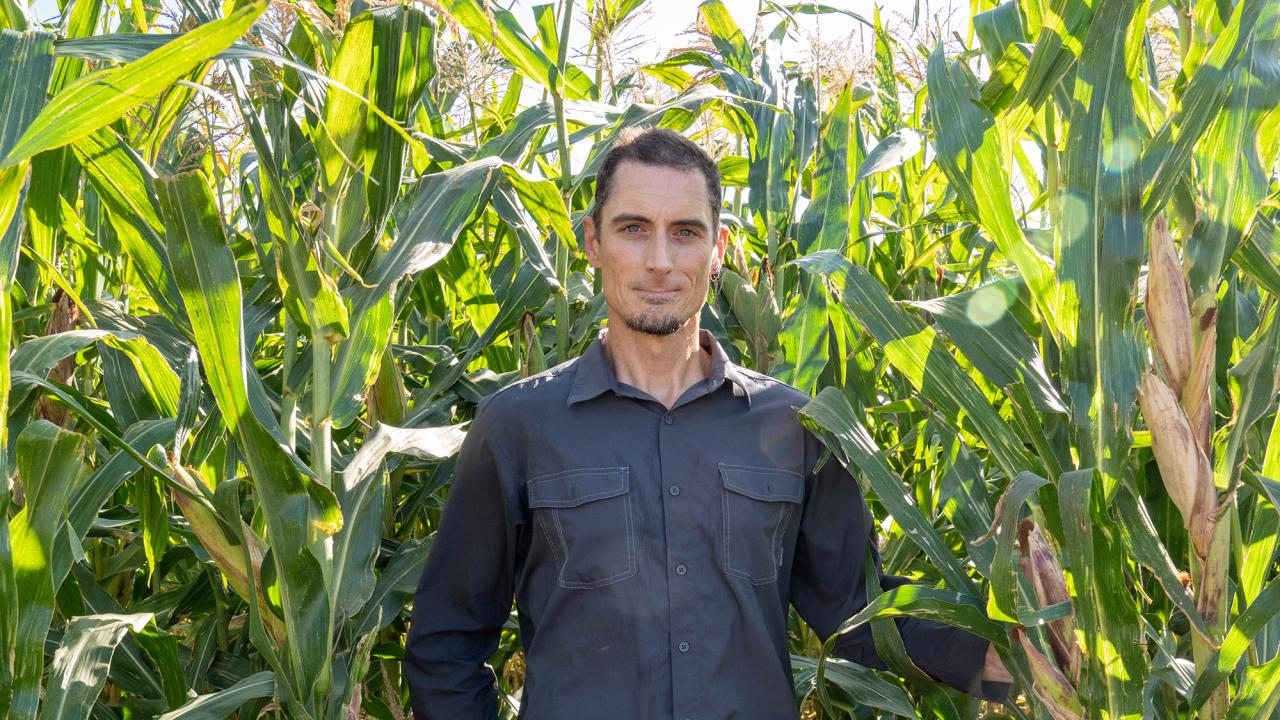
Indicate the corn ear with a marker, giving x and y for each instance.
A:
(1168, 309)
(1197, 399)
(226, 553)
(1049, 685)
(1040, 565)
(1184, 467)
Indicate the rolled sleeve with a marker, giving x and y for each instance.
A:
(465, 592)
(828, 587)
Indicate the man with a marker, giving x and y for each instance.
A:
(652, 507)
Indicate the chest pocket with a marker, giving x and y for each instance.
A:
(758, 502)
(586, 517)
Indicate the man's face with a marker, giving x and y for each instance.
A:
(655, 247)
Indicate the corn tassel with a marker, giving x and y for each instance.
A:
(1168, 309)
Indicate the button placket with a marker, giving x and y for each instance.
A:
(686, 681)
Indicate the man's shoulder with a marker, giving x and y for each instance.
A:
(770, 395)
(768, 387)
(549, 386)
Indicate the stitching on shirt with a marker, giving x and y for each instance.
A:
(783, 476)
(561, 502)
(787, 508)
(761, 470)
(728, 563)
(564, 564)
(630, 571)
(631, 558)
(542, 522)
(575, 471)
(776, 548)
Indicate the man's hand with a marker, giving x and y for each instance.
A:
(993, 669)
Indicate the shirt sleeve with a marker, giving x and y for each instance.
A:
(828, 587)
(465, 592)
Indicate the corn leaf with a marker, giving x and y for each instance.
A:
(96, 100)
(50, 463)
(501, 29)
(27, 62)
(970, 155)
(1099, 248)
(1166, 157)
(1259, 254)
(125, 185)
(863, 685)
(221, 704)
(915, 350)
(1259, 694)
(303, 513)
(825, 222)
(983, 325)
(942, 606)
(344, 114)
(833, 418)
(1239, 639)
(79, 667)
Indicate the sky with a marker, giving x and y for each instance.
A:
(665, 20)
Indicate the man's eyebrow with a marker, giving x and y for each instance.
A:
(636, 217)
(628, 217)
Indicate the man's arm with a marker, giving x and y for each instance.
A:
(828, 586)
(464, 596)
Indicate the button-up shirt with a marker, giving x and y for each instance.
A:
(652, 553)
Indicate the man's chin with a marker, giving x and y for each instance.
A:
(657, 326)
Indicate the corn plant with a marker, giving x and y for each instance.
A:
(261, 265)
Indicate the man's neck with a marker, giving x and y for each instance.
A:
(664, 366)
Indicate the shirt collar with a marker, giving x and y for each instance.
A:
(595, 374)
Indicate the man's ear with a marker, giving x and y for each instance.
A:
(722, 242)
(590, 239)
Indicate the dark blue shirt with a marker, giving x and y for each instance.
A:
(652, 554)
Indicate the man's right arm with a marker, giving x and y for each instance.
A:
(465, 592)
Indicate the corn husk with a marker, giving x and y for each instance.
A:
(1184, 468)
(1197, 399)
(1049, 685)
(1167, 307)
(1040, 565)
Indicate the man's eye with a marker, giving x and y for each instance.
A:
(686, 232)
(631, 228)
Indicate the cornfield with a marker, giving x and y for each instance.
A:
(261, 263)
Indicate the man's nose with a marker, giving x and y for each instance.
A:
(658, 259)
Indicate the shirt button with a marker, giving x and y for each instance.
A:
(667, 419)
(675, 490)
(681, 569)
(684, 647)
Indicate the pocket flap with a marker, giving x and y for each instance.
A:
(571, 488)
(762, 483)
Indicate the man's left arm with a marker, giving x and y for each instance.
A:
(828, 586)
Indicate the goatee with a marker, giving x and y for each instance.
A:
(660, 326)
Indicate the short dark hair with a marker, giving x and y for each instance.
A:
(663, 148)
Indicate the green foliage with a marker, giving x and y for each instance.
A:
(258, 275)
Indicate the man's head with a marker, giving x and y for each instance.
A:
(655, 234)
